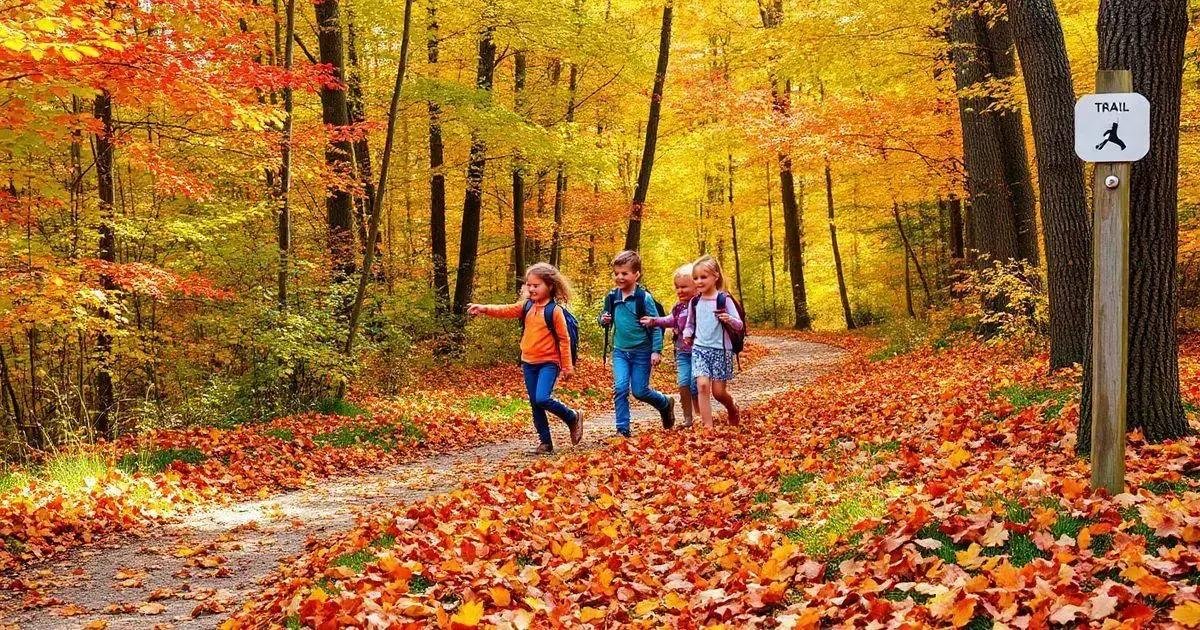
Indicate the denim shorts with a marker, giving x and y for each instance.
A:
(683, 371)
(714, 363)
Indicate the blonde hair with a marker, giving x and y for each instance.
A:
(709, 264)
(628, 258)
(560, 287)
(684, 271)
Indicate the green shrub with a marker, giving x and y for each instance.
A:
(339, 407)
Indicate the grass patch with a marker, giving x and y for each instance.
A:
(946, 551)
(383, 437)
(418, 584)
(796, 481)
(384, 541)
(1101, 544)
(292, 623)
(1167, 487)
(154, 461)
(10, 480)
(1068, 525)
(762, 497)
(1021, 396)
(875, 448)
(355, 560)
(1016, 513)
(844, 515)
(1019, 548)
(339, 407)
(897, 595)
(410, 431)
(759, 515)
(73, 471)
(499, 408)
(283, 435)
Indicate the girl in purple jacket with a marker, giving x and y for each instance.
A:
(685, 289)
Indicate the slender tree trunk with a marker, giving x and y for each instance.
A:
(957, 244)
(107, 251)
(357, 116)
(437, 186)
(339, 205)
(1147, 37)
(518, 176)
(908, 301)
(377, 200)
(1067, 231)
(837, 255)
(992, 211)
(468, 250)
(633, 236)
(560, 181)
(737, 256)
(911, 254)
(285, 168)
(771, 250)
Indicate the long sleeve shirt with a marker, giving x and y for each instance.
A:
(706, 330)
(628, 332)
(677, 321)
(538, 344)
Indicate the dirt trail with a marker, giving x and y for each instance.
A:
(185, 574)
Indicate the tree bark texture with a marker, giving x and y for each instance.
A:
(837, 255)
(339, 204)
(437, 186)
(633, 236)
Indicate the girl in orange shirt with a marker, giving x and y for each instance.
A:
(545, 353)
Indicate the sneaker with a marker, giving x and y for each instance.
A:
(625, 433)
(577, 427)
(543, 449)
(668, 415)
(686, 423)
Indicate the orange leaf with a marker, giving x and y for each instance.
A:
(469, 615)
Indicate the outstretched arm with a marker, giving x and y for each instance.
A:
(502, 311)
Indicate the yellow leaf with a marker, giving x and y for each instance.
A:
(469, 615)
(501, 596)
(674, 601)
(570, 551)
(645, 607)
(1187, 614)
(37, 53)
(721, 486)
(69, 53)
(46, 24)
(535, 604)
(14, 43)
(88, 50)
(957, 458)
(590, 614)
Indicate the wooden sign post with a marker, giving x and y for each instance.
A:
(1112, 128)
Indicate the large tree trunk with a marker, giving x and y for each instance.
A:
(998, 35)
(518, 176)
(468, 244)
(633, 236)
(837, 255)
(437, 186)
(107, 251)
(992, 214)
(339, 204)
(1048, 85)
(1147, 38)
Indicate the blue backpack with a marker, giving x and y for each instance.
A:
(572, 325)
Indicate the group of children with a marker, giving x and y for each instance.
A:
(704, 320)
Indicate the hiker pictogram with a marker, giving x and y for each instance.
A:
(1111, 136)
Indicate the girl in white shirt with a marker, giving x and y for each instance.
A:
(708, 329)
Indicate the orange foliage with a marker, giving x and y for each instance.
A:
(985, 513)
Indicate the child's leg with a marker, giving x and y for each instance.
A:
(683, 378)
(720, 391)
(621, 369)
(704, 400)
(540, 424)
(639, 381)
(547, 377)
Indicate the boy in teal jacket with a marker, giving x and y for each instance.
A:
(636, 349)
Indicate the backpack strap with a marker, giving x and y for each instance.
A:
(639, 302)
(525, 313)
(548, 313)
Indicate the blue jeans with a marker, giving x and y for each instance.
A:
(631, 374)
(683, 371)
(539, 383)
